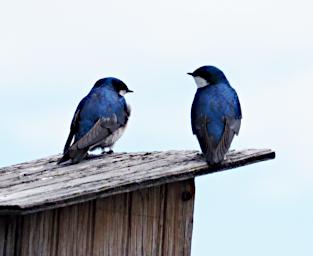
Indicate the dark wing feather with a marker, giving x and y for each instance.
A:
(74, 125)
(232, 127)
(206, 142)
(72, 131)
(102, 129)
(214, 153)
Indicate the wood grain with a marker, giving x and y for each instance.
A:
(153, 222)
(42, 184)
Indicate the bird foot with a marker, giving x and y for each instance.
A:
(107, 152)
(89, 156)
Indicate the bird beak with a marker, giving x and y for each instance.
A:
(129, 91)
(191, 74)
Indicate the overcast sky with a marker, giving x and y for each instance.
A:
(51, 54)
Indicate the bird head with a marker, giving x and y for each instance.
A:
(208, 75)
(119, 86)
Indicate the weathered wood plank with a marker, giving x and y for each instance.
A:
(111, 224)
(34, 228)
(180, 210)
(9, 226)
(147, 221)
(75, 227)
(150, 222)
(42, 184)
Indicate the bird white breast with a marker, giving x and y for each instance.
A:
(122, 92)
(200, 82)
(110, 140)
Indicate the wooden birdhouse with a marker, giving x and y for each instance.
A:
(119, 204)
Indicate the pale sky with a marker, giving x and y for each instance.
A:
(51, 54)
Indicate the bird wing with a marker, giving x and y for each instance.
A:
(101, 129)
(200, 129)
(74, 125)
(231, 128)
(232, 121)
(215, 152)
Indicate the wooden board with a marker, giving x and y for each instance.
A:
(154, 221)
(42, 184)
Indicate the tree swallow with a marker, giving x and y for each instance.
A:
(99, 120)
(215, 113)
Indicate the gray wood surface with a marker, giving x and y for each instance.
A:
(42, 184)
(153, 221)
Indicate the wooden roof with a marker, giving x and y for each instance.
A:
(41, 184)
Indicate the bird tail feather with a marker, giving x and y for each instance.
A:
(68, 141)
(64, 158)
(75, 155)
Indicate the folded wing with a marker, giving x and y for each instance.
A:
(103, 128)
(214, 151)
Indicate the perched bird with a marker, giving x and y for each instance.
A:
(215, 113)
(99, 120)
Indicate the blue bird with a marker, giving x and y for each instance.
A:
(99, 120)
(215, 113)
